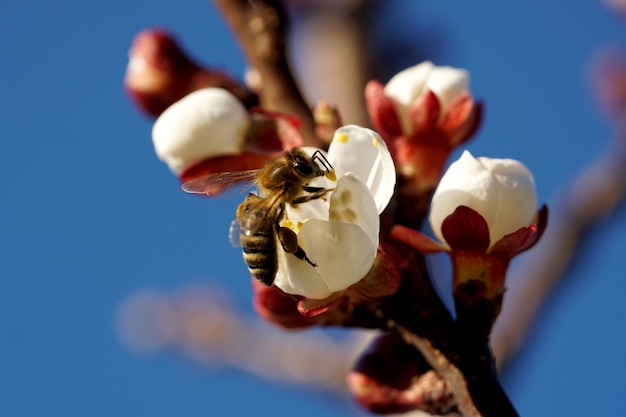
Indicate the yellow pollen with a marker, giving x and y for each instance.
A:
(375, 141)
(330, 174)
(345, 197)
(349, 215)
(342, 138)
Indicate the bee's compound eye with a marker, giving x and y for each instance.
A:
(303, 167)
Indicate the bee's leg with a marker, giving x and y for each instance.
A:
(310, 189)
(289, 241)
(316, 192)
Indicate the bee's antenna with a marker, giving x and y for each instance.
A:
(319, 157)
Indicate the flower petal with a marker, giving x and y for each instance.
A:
(405, 87)
(466, 182)
(309, 307)
(459, 110)
(383, 278)
(424, 114)
(297, 277)
(208, 122)
(524, 238)
(517, 198)
(409, 83)
(351, 202)
(343, 248)
(382, 111)
(342, 252)
(278, 308)
(362, 151)
(447, 83)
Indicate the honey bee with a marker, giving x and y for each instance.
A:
(283, 180)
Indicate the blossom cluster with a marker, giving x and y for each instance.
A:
(340, 233)
(340, 240)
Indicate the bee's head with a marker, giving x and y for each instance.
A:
(305, 167)
(309, 166)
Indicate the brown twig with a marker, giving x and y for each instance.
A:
(462, 357)
(444, 368)
(261, 28)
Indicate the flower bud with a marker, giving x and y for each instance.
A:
(160, 72)
(407, 86)
(502, 191)
(485, 210)
(423, 113)
(208, 122)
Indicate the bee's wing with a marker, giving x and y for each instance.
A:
(256, 212)
(217, 183)
(251, 221)
(234, 234)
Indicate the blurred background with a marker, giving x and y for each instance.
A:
(112, 280)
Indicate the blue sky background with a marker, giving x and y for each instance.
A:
(89, 215)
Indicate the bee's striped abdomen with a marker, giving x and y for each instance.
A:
(259, 252)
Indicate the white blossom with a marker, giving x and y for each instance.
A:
(340, 233)
(208, 122)
(405, 87)
(502, 191)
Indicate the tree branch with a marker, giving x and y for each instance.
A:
(454, 350)
(261, 28)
